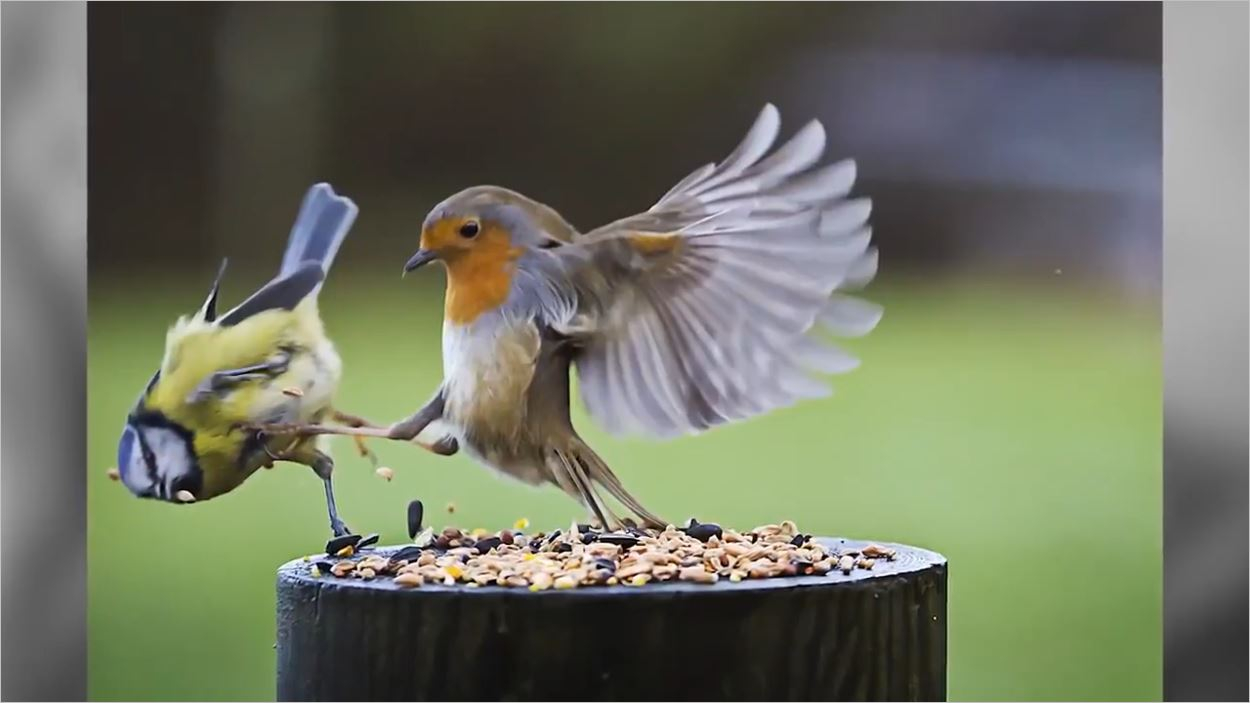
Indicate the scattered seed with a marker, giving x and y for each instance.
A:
(705, 531)
(416, 511)
(485, 545)
(409, 580)
(385, 472)
(293, 391)
(698, 575)
(113, 474)
(584, 556)
(336, 544)
(619, 539)
(408, 554)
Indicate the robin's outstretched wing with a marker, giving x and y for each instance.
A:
(707, 308)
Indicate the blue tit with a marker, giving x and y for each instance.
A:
(191, 435)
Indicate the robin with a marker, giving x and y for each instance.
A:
(710, 307)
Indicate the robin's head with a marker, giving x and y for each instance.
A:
(486, 224)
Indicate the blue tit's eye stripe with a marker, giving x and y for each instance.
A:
(149, 462)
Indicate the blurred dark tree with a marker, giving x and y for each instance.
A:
(208, 120)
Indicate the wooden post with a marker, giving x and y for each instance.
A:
(869, 635)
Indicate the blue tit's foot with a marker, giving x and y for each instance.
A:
(339, 528)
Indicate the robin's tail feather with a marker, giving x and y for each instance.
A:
(578, 470)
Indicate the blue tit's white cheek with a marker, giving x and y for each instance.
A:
(176, 469)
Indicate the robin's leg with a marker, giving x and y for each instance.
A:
(412, 426)
(356, 421)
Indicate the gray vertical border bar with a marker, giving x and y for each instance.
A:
(1206, 248)
(43, 306)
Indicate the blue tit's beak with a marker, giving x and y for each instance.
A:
(419, 259)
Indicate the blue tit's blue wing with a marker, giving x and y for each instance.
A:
(282, 293)
(323, 222)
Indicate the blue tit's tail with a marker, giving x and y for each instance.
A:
(322, 225)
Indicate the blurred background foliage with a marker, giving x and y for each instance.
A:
(1008, 410)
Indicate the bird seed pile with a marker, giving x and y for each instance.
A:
(586, 556)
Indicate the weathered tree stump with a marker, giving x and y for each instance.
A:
(875, 634)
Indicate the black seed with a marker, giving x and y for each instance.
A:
(619, 539)
(692, 524)
(407, 554)
(553, 536)
(605, 564)
(585, 528)
(416, 512)
(798, 540)
(442, 543)
(368, 541)
(324, 566)
(485, 545)
(335, 545)
(563, 547)
(635, 531)
(803, 566)
(705, 531)
(587, 538)
(464, 558)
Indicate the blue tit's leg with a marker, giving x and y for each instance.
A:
(219, 381)
(323, 466)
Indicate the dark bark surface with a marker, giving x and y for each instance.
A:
(870, 635)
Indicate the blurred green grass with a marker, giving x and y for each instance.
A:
(1016, 428)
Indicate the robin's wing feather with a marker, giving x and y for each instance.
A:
(702, 309)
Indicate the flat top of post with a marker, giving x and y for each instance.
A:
(908, 560)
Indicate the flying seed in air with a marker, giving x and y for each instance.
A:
(451, 508)
(385, 472)
(114, 474)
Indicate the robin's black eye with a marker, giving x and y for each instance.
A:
(469, 229)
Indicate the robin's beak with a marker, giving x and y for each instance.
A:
(419, 259)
